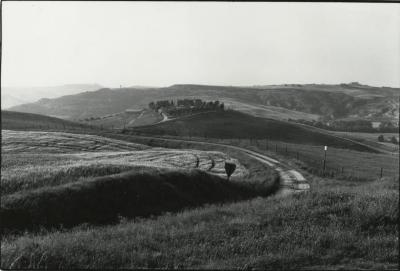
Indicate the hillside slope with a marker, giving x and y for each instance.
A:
(22, 121)
(327, 101)
(233, 124)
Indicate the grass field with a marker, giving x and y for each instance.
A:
(36, 159)
(233, 124)
(126, 119)
(355, 164)
(267, 111)
(27, 121)
(372, 139)
(337, 225)
(103, 200)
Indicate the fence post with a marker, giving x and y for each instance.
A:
(276, 147)
(286, 149)
(381, 172)
(297, 155)
(266, 144)
(342, 170)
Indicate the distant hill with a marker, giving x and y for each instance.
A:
(27, 121)
(233, 124)
(12, 96)
(308, 102)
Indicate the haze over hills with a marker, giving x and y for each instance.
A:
(13, 96)
(310, 102)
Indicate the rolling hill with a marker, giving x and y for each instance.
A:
(233, 124)
(279, 101)
(27, 121)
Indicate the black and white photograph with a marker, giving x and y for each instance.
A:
(199, 135)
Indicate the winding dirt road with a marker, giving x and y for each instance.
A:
(291, 180)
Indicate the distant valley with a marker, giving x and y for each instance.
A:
(13, 96)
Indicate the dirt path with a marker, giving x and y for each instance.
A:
(291, 180)
(166, 118)
(132, 121)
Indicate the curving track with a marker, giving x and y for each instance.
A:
(291, 180)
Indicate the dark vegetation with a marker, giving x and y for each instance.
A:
(232, 124)
(130, 194)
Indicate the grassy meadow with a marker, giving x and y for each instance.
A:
(58, 179)
(28, 121)
(337, 225)
(372, 139)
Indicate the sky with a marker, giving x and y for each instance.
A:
(218, 43)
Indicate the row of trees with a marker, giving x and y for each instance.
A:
(185, 106)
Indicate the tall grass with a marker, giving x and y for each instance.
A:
(135, 193)
(49, 177)
(335, 226)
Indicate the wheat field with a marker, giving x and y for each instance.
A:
(32, 159)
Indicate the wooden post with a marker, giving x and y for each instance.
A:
(266, 144)
(342, 170)
(381, 172)
(276, 147)
(323, 170)
(286, 149)
(297, 155)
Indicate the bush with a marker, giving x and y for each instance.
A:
(381, 138)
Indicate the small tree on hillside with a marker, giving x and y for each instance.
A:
(394, 140)
(381, 138)
(229, 168)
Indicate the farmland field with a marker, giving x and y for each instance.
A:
(35, 159)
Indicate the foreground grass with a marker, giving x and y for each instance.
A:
(336, 225)
(102, 200)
